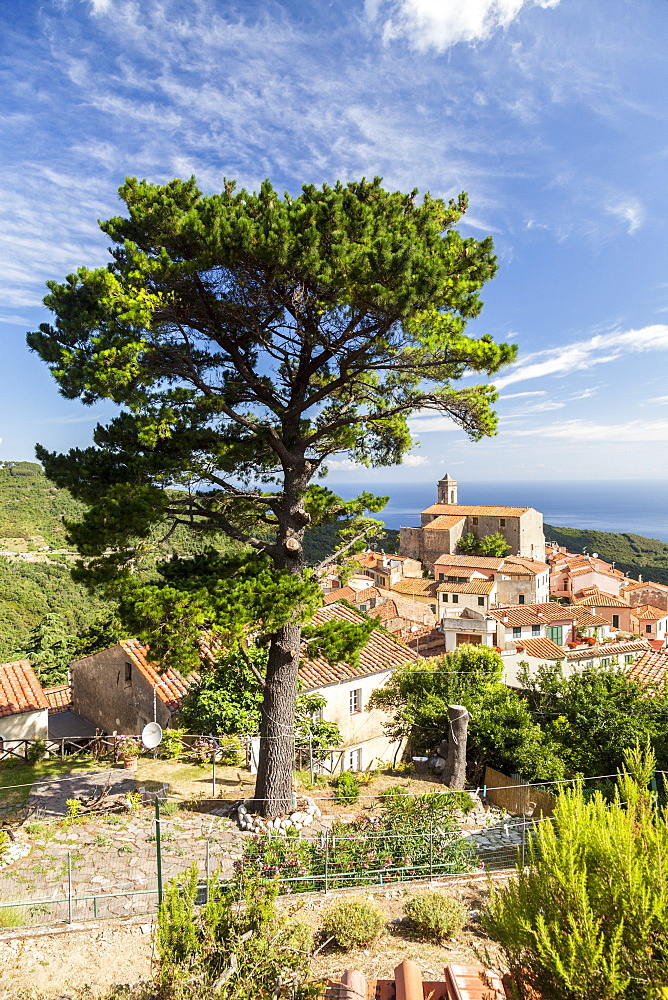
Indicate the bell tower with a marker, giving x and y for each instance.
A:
(447, 490)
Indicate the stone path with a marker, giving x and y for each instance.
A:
(50, 798)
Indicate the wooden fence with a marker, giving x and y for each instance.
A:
(515, 796)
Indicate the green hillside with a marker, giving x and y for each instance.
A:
(633, 554)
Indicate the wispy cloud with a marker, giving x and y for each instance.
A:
(597, 350)
(421, 425)
(439, 24)
(630, 211)
(583, 431)
(517, 395)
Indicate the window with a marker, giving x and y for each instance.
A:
(355, 701)
(441, 576)
(615, 621)
(648, 628)
(363, 607)
(520, 599)
(355, 760)
(432, 608)
(628, 658)
(556, 634)
(481, 602)
(445, 598)
(502, 522)
(128, 674)
(517, 632)
(535, 629)
(455, 598)
(605, 662)
(474, 520)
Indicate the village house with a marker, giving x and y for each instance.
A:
(517, 580)
(347, 689)
(385, 570)
(444, 523)
(420, 591)
(650, 623)
(24, 710)
(640, 593)
(571, 574)
(615, 609)
(535, 652)
(119, 690)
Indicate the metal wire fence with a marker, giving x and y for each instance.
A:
(76, 873)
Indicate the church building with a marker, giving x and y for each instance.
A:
(444, 523)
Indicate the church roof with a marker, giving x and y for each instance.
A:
(464, 510)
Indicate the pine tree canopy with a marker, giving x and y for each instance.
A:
(247, 338)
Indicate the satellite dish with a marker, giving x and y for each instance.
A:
(151, 735)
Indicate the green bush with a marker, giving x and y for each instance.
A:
(235, 947)
(171, 745)
(434, 915)
(232, 753)
(346, 788)
(353, 923)
(35, 752)
(588, 918)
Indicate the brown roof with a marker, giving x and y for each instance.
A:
(471, 587)
(532, 566)
(382, 652)
(598, 598)
(647, 612)
(409, 586)
(170, 686)
(473, 509)
(443, 523)
(608, 649)
(399, 608)
(650, 668)
(535, 614)
(20, 690)
(585, 618)
(341, 593)
(541, 647)
(472, 562)
(59, 698)
(364, 595)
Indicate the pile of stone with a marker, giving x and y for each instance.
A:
(479, 815)
(13, 852)
(304, 815)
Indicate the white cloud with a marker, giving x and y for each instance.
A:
(438, 24)
(412, 461)
(101, 6)
(583, 354)
(630, 211)
(583, 431)
(16, 320)
(517, 395)
(342, 465)
(658, 399)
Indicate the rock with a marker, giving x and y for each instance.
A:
(437, 764)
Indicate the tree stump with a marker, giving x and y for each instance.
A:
(454, 775)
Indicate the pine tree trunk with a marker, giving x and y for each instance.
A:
(273, 786)
(454, 775)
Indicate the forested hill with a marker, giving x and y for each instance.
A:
(633, 554)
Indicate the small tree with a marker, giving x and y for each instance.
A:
(248, 338)
(494, 545)
(588, 918)
(469, 543)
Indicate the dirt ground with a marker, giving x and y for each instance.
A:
(90, 960)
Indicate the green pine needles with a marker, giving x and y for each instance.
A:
(588, 918)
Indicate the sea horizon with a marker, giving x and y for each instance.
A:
(636, 506)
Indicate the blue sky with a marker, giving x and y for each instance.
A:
(551, 114)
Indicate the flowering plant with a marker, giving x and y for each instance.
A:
(204, 749)
(128, 747)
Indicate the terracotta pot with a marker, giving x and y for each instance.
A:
(130, 763)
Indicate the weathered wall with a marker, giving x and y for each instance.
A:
(517, 798)
(101, 695)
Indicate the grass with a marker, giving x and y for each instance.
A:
(11, 916)
(24, 775)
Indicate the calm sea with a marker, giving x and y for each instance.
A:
(637, 506)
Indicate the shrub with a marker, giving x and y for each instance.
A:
(231, 752)
(171, 745)
(169, 808)
(11, 916)
(353, 923)
(346, 788)
(35, 752)
(434, 915)
(236, 947)
(588, 918)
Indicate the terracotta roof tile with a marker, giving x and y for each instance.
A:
(368, 594)
(647, 612)
(650, 668)
(533, 566)
(340, 594)
(170, 686)
(541, 647)
(409, 587)
(535, 614)
(382, 652)
(59, 698)
(399, 608)
(471, 587)
(443, 523)
(471, 562)
(451, 509)
(598, 598)
(608, 649)
(20, 690)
